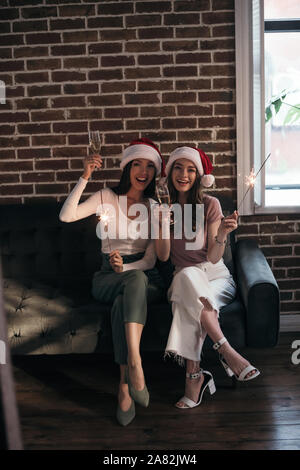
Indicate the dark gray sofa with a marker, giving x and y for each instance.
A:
(47, 267)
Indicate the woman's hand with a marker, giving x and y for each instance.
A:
(116, 261)
(227, 225)
(90, 163)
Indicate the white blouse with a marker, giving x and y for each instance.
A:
(72, 211)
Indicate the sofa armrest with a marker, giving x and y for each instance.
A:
(260, 294)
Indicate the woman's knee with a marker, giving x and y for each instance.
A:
(136, 277)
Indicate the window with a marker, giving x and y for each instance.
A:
(268, 78)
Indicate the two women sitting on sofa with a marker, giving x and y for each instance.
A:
(128, 279)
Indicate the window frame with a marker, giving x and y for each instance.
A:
(249, 39)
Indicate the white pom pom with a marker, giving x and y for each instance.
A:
(207, 180)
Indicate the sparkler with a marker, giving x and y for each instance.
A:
(250, 180)
(104, 217)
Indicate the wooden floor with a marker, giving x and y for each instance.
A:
(69, 402)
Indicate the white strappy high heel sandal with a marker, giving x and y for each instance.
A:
(208, 382)
(243, 375)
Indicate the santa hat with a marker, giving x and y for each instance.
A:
(200, 160)
(144, 148)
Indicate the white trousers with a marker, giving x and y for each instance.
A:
(211, 281)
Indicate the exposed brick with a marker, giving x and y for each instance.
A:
(118, 35)
(45, 90)
(16, 166)
(142, 72)
(16, 189)
(12, 39)
(142, 20)
(141, 98)
(159, 111)
(286, 262)
(141, 124)
(50, 115)
(9, 13)
(11, 65)
(195, 135)
(68, 50)
(105, 48)
(46, 64)
(180, 71)
(66, 127)
(33, 128)
(225, 56)
(213, 96)
(193, 32)
(277, 228)
(7, 130)
(5, 53)
(194, 110)
(49, 140)
(149, 7)
(14, 117)
(218, 17)
(193, 58)
(223, 4)
(43, 38)
(117, 61)
(67, 102)
(214, 44)
(36, 177)
(228, 134)
(38, 51)
(80, 36)
(66, 76)
(290, 306)
(154, 33)
(193, 84)
(155, 85)
(118, 87)
(25, 26)
(179, 123)
(61, 24)
(224, 121)
(9, 178)
(51, 164)
(69, 152)
(115, 8)
(39, 12)
(105, 100)
(51, 188)
(181, 18)
(122, 112)
(77, 10)
(105, 22)
(180, 46)
(217, 70)
(14, 142)
(33, 153)
(155, 59)
(81, 89)
(192, 5)
(286, 239)
(69, 175)
(226, 30)
(86, 113)
(108, 74)
(140, 46)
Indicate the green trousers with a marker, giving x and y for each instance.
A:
(129, 292)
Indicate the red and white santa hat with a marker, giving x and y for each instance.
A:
(200, 160)
(144, 148)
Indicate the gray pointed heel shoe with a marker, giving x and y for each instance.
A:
(140, 396)
(125, 417)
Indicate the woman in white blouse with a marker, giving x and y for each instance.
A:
(127, 277)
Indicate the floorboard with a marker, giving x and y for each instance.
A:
(69, 402)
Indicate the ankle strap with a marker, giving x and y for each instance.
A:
(219, 343)
(194, 375)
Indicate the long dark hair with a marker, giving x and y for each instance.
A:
(195, 194)
(125, 184)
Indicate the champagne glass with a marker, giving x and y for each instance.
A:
(163, 196)
(95, 141)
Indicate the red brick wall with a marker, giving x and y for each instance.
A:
(161, 69)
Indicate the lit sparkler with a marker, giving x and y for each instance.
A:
(104, 217)
(250, 180)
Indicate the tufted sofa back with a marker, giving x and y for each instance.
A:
(36, 245)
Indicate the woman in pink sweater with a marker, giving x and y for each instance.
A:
(202, 284)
